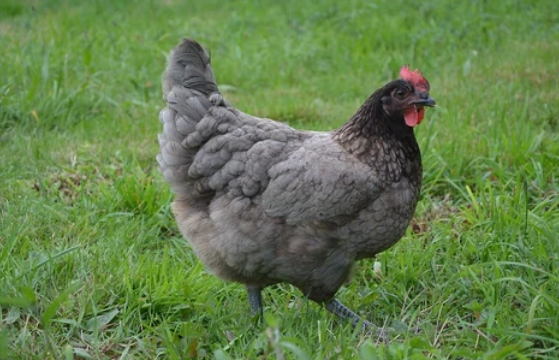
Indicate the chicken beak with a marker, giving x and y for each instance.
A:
(424, 100)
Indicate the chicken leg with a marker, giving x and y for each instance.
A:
(334, 306)
(255, 300)
(343, 312)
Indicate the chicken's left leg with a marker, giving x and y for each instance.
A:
(340, 310)
(255, 300)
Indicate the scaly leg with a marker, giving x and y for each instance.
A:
(340, 310)
(255, 300)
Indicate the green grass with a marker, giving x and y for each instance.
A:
(92, 265)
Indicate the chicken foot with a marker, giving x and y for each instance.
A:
(255, 300)
(343, 312)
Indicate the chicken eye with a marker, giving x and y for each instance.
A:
(400, 93)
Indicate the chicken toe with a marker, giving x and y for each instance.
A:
(343, 312)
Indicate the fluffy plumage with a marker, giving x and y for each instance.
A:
(263, 203)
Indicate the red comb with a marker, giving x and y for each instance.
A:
(415, 78)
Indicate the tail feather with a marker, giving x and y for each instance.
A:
(188, 86)
(189, 66)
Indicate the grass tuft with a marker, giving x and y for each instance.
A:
(92, 265)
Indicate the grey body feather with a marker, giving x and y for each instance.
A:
(263, 203)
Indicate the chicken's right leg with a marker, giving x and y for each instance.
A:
(255, 300)
(342, 311)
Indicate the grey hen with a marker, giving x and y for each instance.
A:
(263, 203)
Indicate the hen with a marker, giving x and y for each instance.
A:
(263, 203)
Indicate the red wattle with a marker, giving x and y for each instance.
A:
(421, 114)
(412, 117)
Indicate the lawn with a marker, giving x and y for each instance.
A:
(92, 265)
